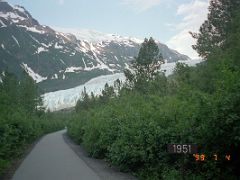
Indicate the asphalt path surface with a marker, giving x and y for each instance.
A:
(55, 158)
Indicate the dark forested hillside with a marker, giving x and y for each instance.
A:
(198, 105)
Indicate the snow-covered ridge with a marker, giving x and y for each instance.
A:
(96, 36)
(19, 8)
(63, 99)
(14, 13)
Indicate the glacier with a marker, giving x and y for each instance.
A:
(63, 99)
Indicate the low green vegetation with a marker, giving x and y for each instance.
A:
(22, 120)
(131, 123)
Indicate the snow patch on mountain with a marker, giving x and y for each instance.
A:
(45, 45)
(41, 49)
(36, 77)
(12, 16)
(34, 39)
(101, 65)
(73, 69)
(2, 45)
(57, 46)
(2, 23)
(1, 76)
(32, 29)
(55, 76)
(63, 62)
(15, 39)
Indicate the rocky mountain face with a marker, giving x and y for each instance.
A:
(57, 60)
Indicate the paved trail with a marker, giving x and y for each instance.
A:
(53, 159)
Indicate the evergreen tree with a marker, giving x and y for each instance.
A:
(84, 102)
(117, 85)
(146, 65)
(107, 92)
(85, 95)
(29, 99)
(182, 72)
(92, 96)
(214, 30)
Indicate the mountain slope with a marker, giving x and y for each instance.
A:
(59, 60)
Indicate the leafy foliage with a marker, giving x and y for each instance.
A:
(215, 29)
